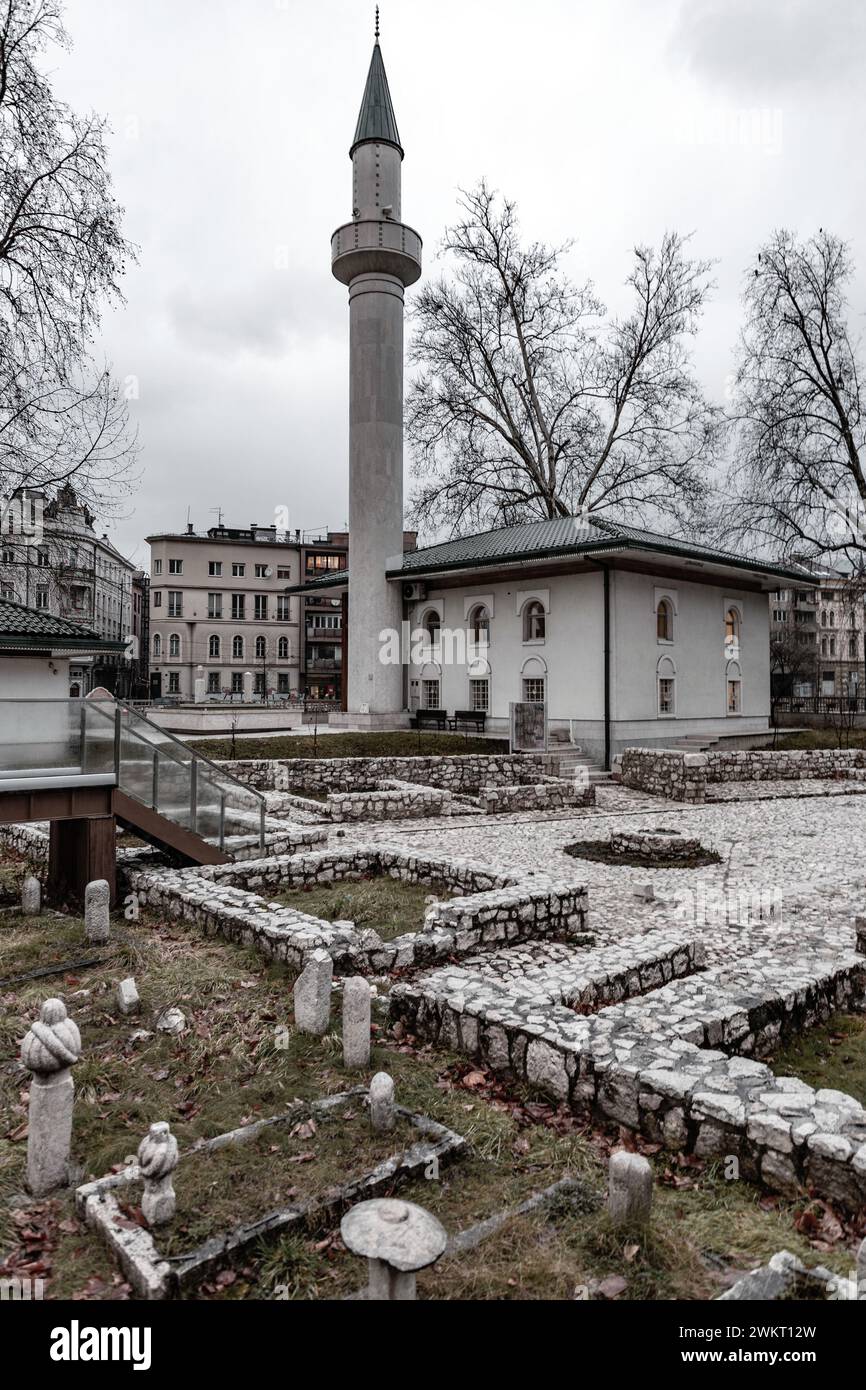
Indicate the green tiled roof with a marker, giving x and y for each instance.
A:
(565, 536)
(376, 120)
(571, 535)
(22, 627)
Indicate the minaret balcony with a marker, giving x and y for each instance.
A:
(379, 247)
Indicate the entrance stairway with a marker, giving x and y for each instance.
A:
(571, 756)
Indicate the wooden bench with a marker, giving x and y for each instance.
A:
(468, 718)
(430, 718)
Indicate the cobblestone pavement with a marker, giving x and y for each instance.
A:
(803, 859)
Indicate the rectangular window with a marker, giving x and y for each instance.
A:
(260, 607)
(174, 682)
(157, 566)
(666, 696)
(262, 572)
(430, 694)
(237, 682)
(41, 598)
(213, 682)
(42, 558)
(734, 697)
(260, 683)
(533, 690)
(238, 607)
(283, 608)
(238, 571)
(175, 566)
(283, 682)
(175, 603)
(283, 572)
(215, 568)
(214, 605)
(480, 692)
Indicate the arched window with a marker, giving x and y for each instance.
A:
(734, 688)
(732, 632)
(174, 645)
(832, 618)
(852, 648)
(213, 647)
(238, 648)
(157, 644)
(534, 622)
(283, 649)
(666, 683)
(665, 621)
(432, 625)
(479, 624)
(261, 648)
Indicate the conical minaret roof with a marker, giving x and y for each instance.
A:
(376, 120)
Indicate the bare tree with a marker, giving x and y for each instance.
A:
(62, 255)
(529, 403)
(799, 476)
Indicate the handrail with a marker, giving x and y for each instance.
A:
(190, 762)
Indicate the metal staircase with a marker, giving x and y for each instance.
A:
(116, 761)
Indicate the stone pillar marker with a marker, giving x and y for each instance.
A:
(127, 996)
(382, 1102)
(312, 994)
(97, 901)
(157, 1159)
(397, 1238)
(630, 1189)
(31, 896)
(49, 1051)
(356, 1022)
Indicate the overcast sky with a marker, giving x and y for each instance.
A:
(608, 120)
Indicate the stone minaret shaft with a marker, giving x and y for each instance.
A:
(377, 257)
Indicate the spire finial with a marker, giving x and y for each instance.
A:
(377, 23)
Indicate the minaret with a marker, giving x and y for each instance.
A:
(377, 257)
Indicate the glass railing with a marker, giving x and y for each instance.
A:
(99, 739)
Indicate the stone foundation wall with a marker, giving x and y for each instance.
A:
(677, 1064)
(681, 776)
(502, 912)
(549, 795)
(390, 800)
(451, 773)
(665, 772)
(27, 839)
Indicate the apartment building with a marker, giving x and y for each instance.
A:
(218, 612)
(817, 638)
(53, 560)
(324, 619)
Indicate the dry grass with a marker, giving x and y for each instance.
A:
(395, 745)
(390, 906)
(240, 1060)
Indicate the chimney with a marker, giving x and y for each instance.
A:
(190, 531)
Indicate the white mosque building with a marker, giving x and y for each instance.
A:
(627, 637)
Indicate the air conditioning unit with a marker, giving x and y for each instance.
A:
(415, 591)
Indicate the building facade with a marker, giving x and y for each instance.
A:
(219, 614)
(817, 638)
(53, 561)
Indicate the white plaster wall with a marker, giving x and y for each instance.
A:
(571, 651)
(698, 650)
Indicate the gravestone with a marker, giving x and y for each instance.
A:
(49, 1051)
(397, 1239)
(356, 1022)
(382, 1102)
(97, 903)
(312, 994)
(157, 1159)
(630, 1189)
(127, 996)
(31, 896)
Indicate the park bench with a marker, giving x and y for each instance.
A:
(430, 718)
(468, 718)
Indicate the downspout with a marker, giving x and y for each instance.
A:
(605, 569)
(606, 572)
